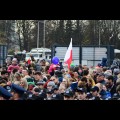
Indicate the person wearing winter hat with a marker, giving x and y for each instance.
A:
(13, 66)
(50, 85)
(68, 95)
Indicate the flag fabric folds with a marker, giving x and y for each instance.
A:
(68, 55)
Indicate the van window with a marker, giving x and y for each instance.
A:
(35, 55)
(27, 55)
(49, 57)
(40, 55)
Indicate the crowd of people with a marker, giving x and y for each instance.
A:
(43, 80)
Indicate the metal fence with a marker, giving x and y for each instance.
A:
(89, 55)
(3, 54)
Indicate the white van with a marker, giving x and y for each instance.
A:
(37, 56)
(46, 53)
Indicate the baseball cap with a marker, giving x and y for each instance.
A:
(68, 93)
(95, 88)
(49, 91)
(80, 89)
(37, 90)
(56, 97)
(56, 87)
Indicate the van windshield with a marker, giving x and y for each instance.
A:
(35, 55)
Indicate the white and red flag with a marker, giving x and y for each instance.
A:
(68, 55)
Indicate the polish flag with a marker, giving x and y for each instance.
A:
(68, 55)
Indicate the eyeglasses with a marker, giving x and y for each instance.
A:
(22, 83)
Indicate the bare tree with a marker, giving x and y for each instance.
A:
(24, 31)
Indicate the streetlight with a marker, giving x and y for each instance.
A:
(110, 38)
(38, 36)
(99, 37)
(43, 33)
(99, 33)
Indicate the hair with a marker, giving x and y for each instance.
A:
(29, 72)
(70, 80)
(85, 67)
(46, 69)
(81, 84)
(111, 78)
(84, 79)
(48, 76)
(76, 69)
(4, 72)
(15, 70)
(38, 73)
(25, 83)
(85, 72)
(104, 69)
(17, 76)
(100, 86)
(91, 81)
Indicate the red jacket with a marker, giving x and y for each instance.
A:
(11, 67)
